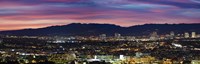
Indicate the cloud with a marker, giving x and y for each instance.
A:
(177, 3)
(39, 13)
(196, 1)
(192, 13)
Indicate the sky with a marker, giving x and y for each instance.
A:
(22, 14)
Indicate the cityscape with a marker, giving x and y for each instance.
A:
(172, 48)
(99, 31)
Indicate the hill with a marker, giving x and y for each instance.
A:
(109, 29)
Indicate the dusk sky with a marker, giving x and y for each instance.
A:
(21, 14)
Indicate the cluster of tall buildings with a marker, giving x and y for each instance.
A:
(190, 35)
(152, 36)
(172, 35)
(116, 36)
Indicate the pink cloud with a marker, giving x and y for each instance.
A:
(42, 13)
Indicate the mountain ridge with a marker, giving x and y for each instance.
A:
(88, 29)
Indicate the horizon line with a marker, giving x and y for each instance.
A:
(98, 23)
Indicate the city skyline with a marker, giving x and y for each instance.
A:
(99, 31)
(42, 13)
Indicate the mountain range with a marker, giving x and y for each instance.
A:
(92, 29)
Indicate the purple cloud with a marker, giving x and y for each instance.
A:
(121, 12)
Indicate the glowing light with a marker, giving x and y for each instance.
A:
(177, 45)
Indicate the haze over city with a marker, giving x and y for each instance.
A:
(41, 13)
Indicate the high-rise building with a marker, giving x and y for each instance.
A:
(102, 37)
(117, 35)
(186, 35)
(193, 35)
(172, 33)
(154, 36)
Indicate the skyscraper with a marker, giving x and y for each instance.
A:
(154, 36)
(172, 34)
(186, 35)
(193, 35)
(102, 37)
(117, 35)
